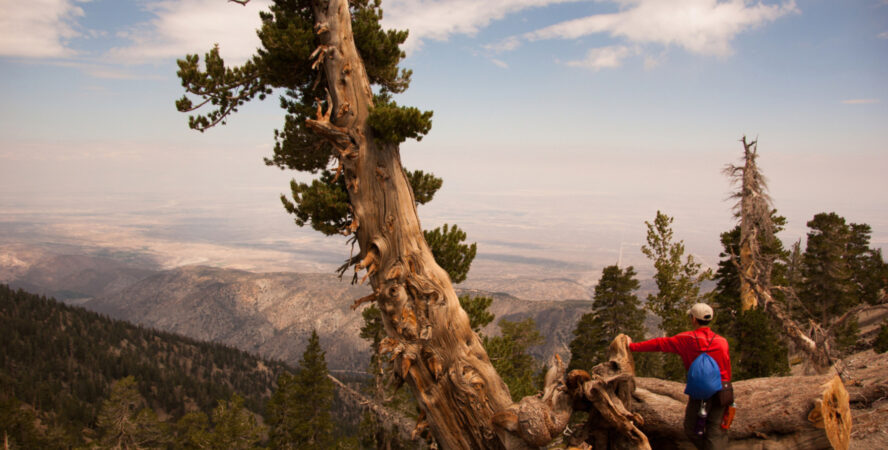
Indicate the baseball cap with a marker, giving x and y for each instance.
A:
(701, 311)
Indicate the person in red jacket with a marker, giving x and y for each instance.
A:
(689, 345)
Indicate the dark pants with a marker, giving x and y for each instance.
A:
(715, 437)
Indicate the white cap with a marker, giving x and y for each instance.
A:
(701, 311)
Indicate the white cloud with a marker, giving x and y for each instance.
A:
(699, 26)
(440, 19)
(860, 101)
(705, 27)
(193, 26)
(38, 28)
(505, 45)
(602, 58)
(499, 63)
(883, 35)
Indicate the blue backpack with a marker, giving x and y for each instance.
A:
(704, 376)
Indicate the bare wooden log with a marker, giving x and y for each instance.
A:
(866, 378)
(785, 412)
(389, 418)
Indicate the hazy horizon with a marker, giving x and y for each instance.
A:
(560, 127)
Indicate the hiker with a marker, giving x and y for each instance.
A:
(704, 432)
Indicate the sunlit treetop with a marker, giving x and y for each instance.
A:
(284, 64)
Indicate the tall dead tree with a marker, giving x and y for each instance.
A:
(753, 209)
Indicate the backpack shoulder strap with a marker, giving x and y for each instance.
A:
(708, 344)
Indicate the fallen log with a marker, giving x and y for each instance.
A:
(779, 412)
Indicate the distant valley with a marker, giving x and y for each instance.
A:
(270, 314)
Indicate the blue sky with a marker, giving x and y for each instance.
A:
(559, 127)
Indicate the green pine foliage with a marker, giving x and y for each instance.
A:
(615, 310)
(125, 421)
(478, 311)
(509, 354)
(847, 335)
(869, 271)
(235, 427)
(283, 65)
(192, 431)
(881, 343)
(828, 289)
(323, 203)
(424, 185)
(839, 271)
(446, 244)
(756, 347)
(678, 284)
(299, 411)
(395, 124)
(58, 363)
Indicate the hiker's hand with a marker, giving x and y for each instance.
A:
(628, 340)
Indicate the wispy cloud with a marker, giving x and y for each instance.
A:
(38, 28)
(860, 101)
(602, 58)
(441, 19)
(883, 35)
(106, 71)
(499, 63)
(192, 26)
(705, 27)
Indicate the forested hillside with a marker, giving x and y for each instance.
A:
(57, 364)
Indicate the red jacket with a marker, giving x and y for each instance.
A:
(689, 345)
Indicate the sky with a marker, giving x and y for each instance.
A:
(559, 127)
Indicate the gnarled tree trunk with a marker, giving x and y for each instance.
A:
(433, 346)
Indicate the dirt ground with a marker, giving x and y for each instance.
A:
(867, 382)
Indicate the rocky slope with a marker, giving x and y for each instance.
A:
(68, 276)
(267, 313)
(270, 314)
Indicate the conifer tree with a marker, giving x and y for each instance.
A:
(678, 284)
(615, 310)
(869, 271)
(881, 343)
(125, 422)
(509, 353)
(235, 427)
(193, 431)
(756, 347)
(299, 411)
(839, 272)
(828, 289)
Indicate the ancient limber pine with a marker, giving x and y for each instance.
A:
(311, 48)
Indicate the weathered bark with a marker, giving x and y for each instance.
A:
(754, 211)
(434, 349)
(606, 394)
(778, 412)
(754, 267)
